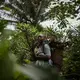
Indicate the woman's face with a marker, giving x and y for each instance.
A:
(40, 38)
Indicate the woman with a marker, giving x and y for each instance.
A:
(42, 52)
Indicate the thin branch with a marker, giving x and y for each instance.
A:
(26, 14)
(73, 27)
(9, 20)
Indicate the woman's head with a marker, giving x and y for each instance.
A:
(41, 37)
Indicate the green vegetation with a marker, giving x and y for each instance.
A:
(17, 46)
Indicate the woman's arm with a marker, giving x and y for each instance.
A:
(43, 57)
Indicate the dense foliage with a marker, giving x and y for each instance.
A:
(72, 56)
(12, 50)
(17, 46)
